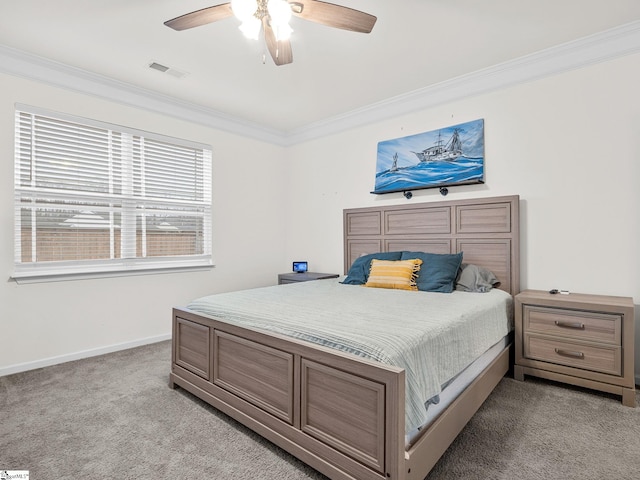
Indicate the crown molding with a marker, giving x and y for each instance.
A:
(600, 47)
(18, 63)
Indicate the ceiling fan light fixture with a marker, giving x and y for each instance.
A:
(250, 28)
(244, 9)
(279, 11)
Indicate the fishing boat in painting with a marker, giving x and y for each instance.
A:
(440, 151)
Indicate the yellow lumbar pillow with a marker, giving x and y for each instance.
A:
(399, 274)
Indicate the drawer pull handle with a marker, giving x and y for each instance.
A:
(569, 353)
(576, 325)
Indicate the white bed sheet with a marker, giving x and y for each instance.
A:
(433, 336)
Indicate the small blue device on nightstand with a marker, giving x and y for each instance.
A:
(300, 267)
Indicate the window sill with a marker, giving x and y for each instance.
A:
(45, 277)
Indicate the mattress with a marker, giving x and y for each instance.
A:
(454, 387)
(432, 336)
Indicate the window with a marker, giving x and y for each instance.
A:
(94, 198)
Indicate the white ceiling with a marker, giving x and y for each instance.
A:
(414, 44)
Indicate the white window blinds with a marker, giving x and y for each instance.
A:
(91, 197)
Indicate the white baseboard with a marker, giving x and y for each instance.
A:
(46, 362)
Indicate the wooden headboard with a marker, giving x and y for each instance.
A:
(485, 229)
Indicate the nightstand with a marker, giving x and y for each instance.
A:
(583, 340)
(303, 277)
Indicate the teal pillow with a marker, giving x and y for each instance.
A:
(438, 272)
(359, 271)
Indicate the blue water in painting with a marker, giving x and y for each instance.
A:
(462, 170)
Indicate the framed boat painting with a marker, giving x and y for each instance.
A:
(441, 158)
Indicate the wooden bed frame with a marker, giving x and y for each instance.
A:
(341, 414)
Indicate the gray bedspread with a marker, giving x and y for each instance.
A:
(433, 336)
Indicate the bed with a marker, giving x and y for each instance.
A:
(345, 413)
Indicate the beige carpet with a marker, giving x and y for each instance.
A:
(115, 417)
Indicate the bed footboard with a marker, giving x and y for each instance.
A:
(341, 415)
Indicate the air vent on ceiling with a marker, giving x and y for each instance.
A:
(174, 72)
(157, 66)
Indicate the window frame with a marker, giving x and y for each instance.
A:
(132, 205)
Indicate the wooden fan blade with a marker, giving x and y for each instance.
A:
(201, 17)
(333, 15)
(280, 50)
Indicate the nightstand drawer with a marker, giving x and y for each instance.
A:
(574, 324)
(597, 358)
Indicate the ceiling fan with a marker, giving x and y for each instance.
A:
(273, 16)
